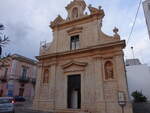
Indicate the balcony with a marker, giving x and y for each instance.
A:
(3, 78)
(33, 81)
(24, 79)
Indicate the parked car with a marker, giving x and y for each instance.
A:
(19, 99)
(7, 105)
(12, 100)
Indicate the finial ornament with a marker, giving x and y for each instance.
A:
(116, 35)
(100, 7)
(93, 9)
(116, 30)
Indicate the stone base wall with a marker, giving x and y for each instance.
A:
(43, 105)
(100, 107)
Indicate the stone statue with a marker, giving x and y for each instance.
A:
(46, 76)
(109, 70)
(93, 9)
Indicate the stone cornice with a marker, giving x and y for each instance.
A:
(19, 58)
(46, 64)
(25, 60)
(75, 30)
(91, 48)
(84, 19)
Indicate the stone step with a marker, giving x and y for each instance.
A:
(70, 111)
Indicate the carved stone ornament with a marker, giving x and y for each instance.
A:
(74, 66)
(83, 64)
(57, 21)
(46, 76)
(76, 2)
(75, 30)
(116, 35)
(93, 9)
(109, 74)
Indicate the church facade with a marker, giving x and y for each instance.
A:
(82, 69)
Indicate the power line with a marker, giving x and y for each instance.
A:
(134, 22)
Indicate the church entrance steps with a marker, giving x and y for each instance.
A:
(71, 111)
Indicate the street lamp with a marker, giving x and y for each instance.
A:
(121, 100)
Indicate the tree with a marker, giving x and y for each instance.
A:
(3, 38)
(1, 27)
(139, 97)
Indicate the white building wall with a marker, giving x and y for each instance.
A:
(146, 7)
(139, 79)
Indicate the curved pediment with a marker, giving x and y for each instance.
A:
(74, 63)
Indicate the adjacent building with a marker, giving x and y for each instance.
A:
(138, 75)
(17, 76)
(83, 69)
(146, 7)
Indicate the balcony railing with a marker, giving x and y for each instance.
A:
(3, 78)
(24, 79)
(21, 79)
(33, 81)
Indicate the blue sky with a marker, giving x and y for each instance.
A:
(27, 23)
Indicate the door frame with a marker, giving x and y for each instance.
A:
(79, 92)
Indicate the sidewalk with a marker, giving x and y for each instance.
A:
(26, 107)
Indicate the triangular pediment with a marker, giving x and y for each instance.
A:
(74, 63)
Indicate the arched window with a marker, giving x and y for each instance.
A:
(75, 12)
(109, 74)
(46, 76)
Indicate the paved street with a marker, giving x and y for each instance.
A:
(25, 108)
(18, 110)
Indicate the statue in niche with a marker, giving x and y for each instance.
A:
(109, 70)
(46, 76)
(75, 13)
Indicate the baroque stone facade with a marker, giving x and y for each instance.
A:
(82, 70)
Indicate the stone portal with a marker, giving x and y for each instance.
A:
(74, 92)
